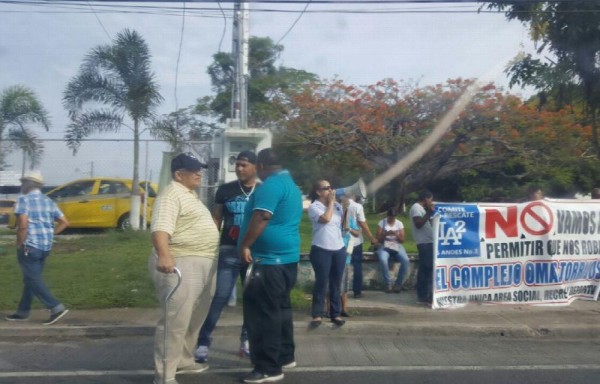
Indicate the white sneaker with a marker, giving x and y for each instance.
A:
(244, 349)
(201, 354)
(291, 364)
(55, 317)
(256, 377)
(172, 381)
(194, 368)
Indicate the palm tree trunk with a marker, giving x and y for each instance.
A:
(134, 217)
(24, 164)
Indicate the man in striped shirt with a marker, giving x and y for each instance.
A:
(36, 215)
(185, 236)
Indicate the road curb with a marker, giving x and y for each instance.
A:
(77, 331)
(326, 329)
(451, 330)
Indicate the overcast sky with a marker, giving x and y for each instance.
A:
(42, 47)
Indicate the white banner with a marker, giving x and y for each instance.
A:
(540, 252)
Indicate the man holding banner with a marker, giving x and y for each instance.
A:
(420, 214)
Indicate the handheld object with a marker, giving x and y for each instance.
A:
(358, 189)
(249, 272)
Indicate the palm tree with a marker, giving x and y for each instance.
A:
(19, 108)
(118, 76)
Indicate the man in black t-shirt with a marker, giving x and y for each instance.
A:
(231, 199)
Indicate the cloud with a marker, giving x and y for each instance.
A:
(43, 51)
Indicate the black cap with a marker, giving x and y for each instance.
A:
(249, 156)
(186, 161)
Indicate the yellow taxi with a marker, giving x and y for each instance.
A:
(99, 202)
(6, 209)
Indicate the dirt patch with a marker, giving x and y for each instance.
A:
(66, 248)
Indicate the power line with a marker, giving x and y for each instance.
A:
(209, 12)
(99, 21)
(293, 24)
(109, 140)
(224, 26)
(178, 60)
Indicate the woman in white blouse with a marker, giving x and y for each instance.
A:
(327, 253)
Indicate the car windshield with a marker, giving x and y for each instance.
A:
(151, 191)
(71, 190)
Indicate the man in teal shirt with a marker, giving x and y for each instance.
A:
(270, 239)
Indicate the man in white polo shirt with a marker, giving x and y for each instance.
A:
(420, 214)
(357, 212)
(185, 236)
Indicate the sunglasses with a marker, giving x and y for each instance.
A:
(327, 188)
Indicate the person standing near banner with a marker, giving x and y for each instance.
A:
(270, 240)
(421, 214)
(596, 194)
(534, 193)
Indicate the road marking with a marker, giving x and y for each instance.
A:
(424, 368)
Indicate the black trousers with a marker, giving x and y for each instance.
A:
(268, 316)
(425, 272)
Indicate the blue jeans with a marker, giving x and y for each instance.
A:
(356, 260)
(425, 272)
(32, 261)
(384, 255)
(228, 270)
(329, 268)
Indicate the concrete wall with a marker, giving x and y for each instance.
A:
(372, 277)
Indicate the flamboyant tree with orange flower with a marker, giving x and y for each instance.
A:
(340, 131)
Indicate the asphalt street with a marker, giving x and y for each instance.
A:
(343, 359)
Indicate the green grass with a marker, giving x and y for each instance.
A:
(94, 271)
(109, 269)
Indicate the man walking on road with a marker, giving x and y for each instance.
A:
(271, 242)
(230, 199)
(36, 215)
(184, 235)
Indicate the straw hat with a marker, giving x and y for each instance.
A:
(35, 176)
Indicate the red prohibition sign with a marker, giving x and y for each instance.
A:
(546, 226)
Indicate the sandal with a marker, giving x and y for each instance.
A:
(338, 321)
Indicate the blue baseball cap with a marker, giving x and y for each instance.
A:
(186, 161)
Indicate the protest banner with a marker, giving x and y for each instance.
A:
(540, 252)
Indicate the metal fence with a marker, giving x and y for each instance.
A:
(111, 158)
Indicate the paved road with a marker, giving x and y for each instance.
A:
(337, 359)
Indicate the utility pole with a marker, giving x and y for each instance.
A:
(239, 102)
(237, 136)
